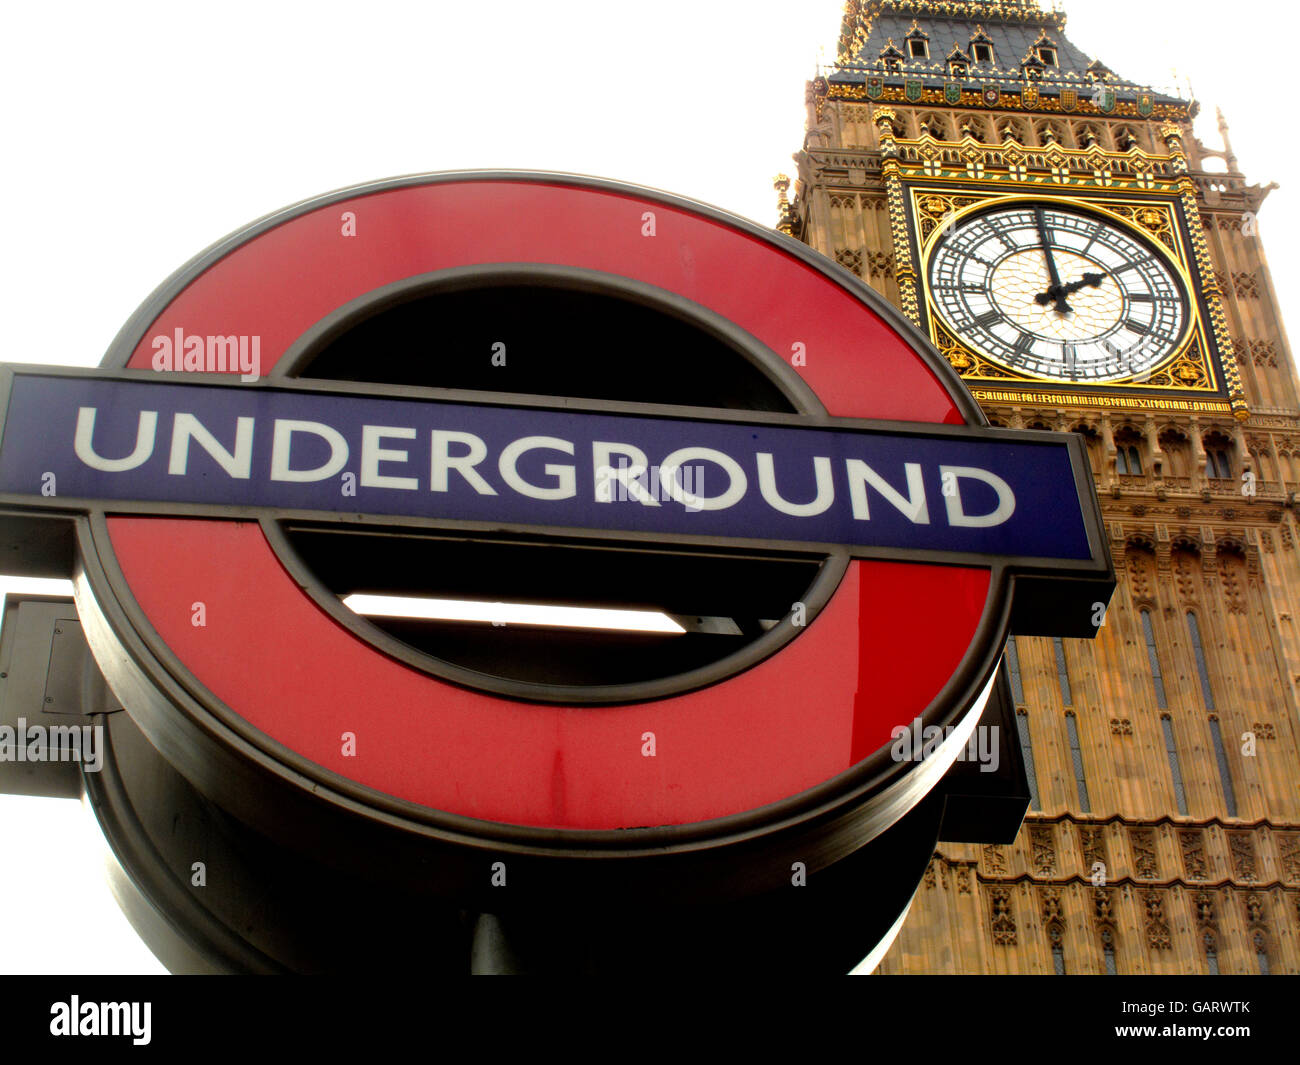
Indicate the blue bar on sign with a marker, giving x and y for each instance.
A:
(257, 446)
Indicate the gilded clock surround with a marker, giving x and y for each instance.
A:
(1189, 368)
(1145, 192)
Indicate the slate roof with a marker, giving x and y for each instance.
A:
(1013, 26)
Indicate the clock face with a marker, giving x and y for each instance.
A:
(1064, 295)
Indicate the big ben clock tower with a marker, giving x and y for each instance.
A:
(1088, 266)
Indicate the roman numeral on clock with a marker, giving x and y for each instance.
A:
(1096, 234)
(1025, 344)
(1069, 358)
(987, 319)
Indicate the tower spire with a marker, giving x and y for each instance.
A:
(1228, 156)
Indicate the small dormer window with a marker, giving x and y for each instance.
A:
(891, 56)
(982, 53)
(918, 42)
(1047, 56)
(1099, 71)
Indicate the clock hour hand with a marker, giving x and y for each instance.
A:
(1058, 292)
(1061, 291)
(1087, 281)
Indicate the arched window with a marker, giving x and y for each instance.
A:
(1062, 673)
(1175, 769)
(1194, 630)
(1157, 679)
(1050, 133)
(934, 125)
(1011, 129)
(1093, 441)
(1216, 733)
(1013, 672)
(1076, 757)
(1225, 773)
(1012, 662)
(1177, 448)
(1261, 952)
(1218, 467)
(1128, 453)
(1108, 950)
(1056, 938)
(1211, 952)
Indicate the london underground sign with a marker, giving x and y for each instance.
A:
(544, 388)
(867, 489)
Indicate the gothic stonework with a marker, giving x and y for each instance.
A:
(1051, 899)
(1156, 927)
(1242, 847)
(1002, 922)
(995, 861)
(1193, 846)
(1288, 849)
(1143, 843)
(1044, 850)
(1197, 467)
(1204, 909)
(1092, 845)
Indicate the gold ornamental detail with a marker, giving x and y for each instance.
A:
(935, 208)
(972, 97)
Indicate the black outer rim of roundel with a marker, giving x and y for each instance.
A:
(272, 786)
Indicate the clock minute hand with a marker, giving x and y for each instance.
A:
(1056, 292)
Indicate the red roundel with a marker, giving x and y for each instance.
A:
(271, 670)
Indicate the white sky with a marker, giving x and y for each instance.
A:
(139, 133)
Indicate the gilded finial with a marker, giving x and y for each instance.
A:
(785, 215)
